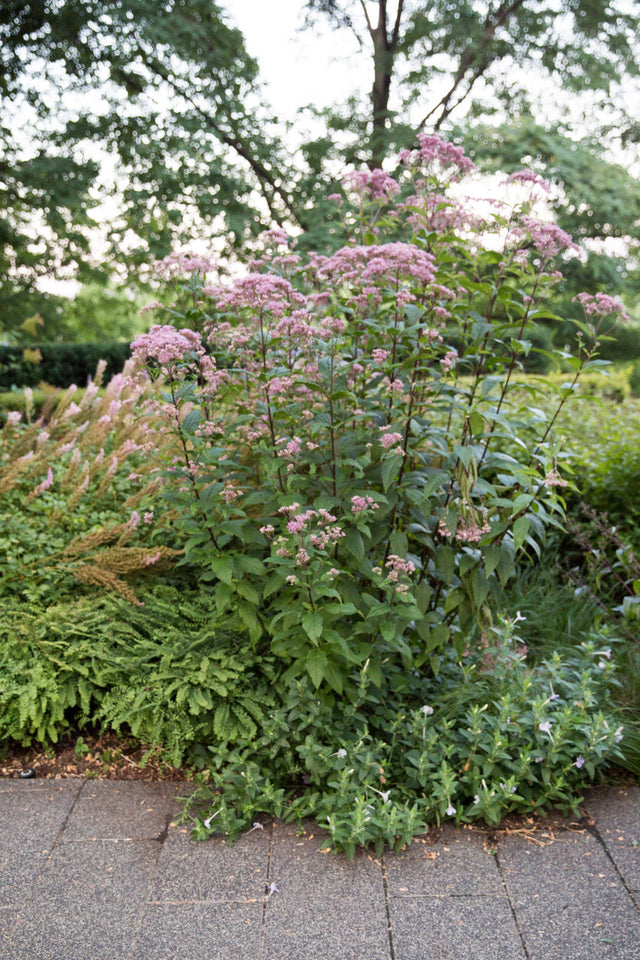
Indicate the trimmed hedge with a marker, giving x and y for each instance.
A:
(60, 364)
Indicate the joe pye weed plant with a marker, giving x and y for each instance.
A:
(352, 478)
(357, 474)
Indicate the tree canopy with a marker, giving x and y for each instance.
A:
(166, 91)
(147, 115)
(486, 56)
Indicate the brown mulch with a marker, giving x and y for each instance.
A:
(106, 757)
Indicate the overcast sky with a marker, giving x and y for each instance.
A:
(314, 66)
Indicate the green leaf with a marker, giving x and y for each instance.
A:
(223, 568)
(273, 583)
(423, 596)
(520, 531)
(445, 562)
(313, 624)
(354, 544)
(250, 565)
(390, 469)
(316, 665)
(476, 422)
(191, 421)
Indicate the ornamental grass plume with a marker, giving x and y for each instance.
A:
(71, 478)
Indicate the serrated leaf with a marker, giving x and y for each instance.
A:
(223, 568)
(354, 544)
(312, 624)
(445, 562)
(316, 664)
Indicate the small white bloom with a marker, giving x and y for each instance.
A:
(340, 753)
(450, 811)
(518, 617)
(207, 822)
(427, 710)
(476, 799)
(545, 727)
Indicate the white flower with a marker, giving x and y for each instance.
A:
(476, 799)
(340, 753)
(207, 822)
(518, 617)
(545, 727)
(450, 811)
(427, 710)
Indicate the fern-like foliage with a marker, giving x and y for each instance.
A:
(169, 672)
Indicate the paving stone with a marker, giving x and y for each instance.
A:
(86, 904)
(457, 864)
(37, 814)
(299, 868)
(20, 867)
(66, 785)
(318, 928)
(7, 919)
(215, 870)
(569, 900)
(454, 928)
(617, 812)
(126, 810)
(199, 932)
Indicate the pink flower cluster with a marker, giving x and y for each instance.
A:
(166, 348)
(389, 439)
(358, 504)
(433, 152)
(372, 184)
(531, 178)
(165, 345)
(361, 265)
(600, 305)
(182, 264)
(547, 238)
(324, 532)
(259, 292)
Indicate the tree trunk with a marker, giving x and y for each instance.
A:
(382, 70)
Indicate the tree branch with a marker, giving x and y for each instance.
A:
(473, 54)
(396, 27)
(262, 174)
(366, 17)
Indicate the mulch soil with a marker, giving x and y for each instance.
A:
(106, 757)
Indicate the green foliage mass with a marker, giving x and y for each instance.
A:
(347, 498)
(483, 739)
(167, 672)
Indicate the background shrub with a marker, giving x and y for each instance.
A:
(59, 364)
